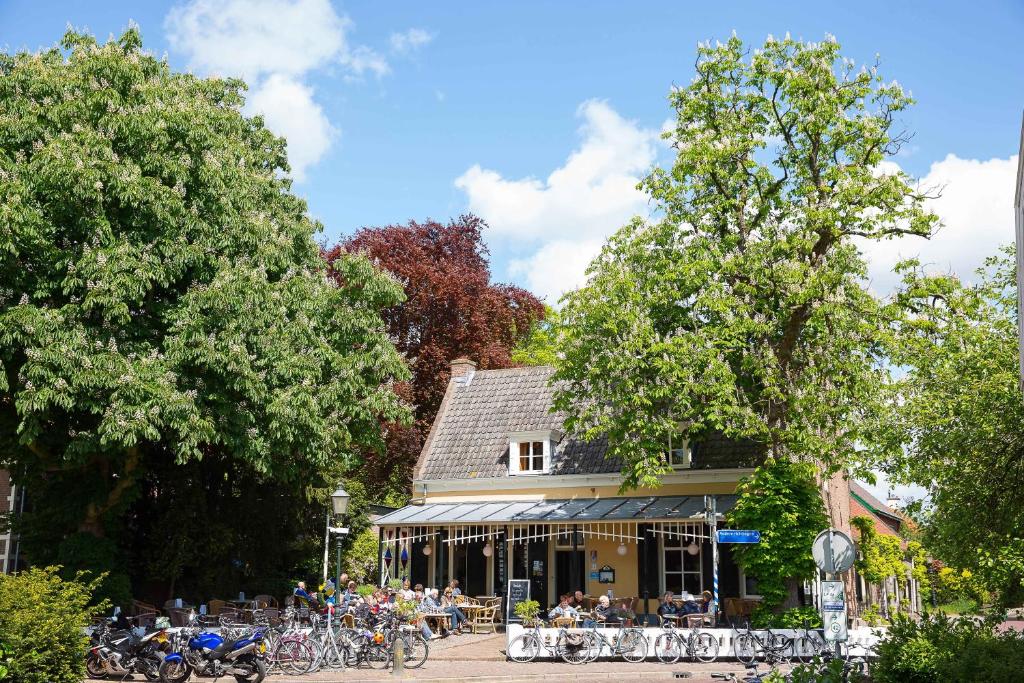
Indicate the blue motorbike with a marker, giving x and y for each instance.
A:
(213, 654)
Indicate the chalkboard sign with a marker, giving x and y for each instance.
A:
(518, 591)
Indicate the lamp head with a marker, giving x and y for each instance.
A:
(339, 500)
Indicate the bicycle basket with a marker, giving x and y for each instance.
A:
(574, 640)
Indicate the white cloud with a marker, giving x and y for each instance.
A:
(253, 38)
(576, 207)
(406, 42)
(289, 110)
(976, 209)
(273, 45)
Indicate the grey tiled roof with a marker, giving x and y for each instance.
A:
(471, 437)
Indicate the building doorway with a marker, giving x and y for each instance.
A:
(569, 572)
(470, 567)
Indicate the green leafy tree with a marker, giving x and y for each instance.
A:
(957, 417)
(42, 625)
(744, 307)
(541, 345)
(782, 500)
(880, 557)
(162, 298)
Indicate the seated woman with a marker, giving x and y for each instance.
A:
(706, 602)
(668, 607)
(449, 607)
(563, 609)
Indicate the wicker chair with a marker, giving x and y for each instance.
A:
(179, 615)
(263, 601)
(145, 619)
(485, 618)
(138, 607)
(215, 607)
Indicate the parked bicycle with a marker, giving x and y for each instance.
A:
(673, 643)
(572, 646)
(628, 643)
(808, 643)
(750, 643)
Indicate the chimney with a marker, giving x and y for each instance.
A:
(892, 502)
(463, 369)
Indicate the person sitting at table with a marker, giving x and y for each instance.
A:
(350, 597)
(454, 585)
(304, 598)
(448, 606)
(425, 605)
(668, 607)
(690, 606)
(407, 592)
(577, 600)
(563, 609)
(705, 602)
(604, 613)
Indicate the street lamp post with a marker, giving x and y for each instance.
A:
(339, 505)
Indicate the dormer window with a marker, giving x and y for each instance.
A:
(530, 452)
(680, 453)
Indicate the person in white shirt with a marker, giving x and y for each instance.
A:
(407, 592)
(563, 609)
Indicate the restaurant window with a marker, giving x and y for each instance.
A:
(681, 569)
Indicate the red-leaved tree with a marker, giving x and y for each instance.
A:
(451, 310)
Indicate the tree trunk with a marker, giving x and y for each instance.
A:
(792, 594)
(92, 522)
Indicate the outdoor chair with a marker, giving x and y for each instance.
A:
(231, 616)
(179, 615)
(139, 607)
(145, 619)
(559, 622)
(214, 607)
(348, 620)
(484, 619)
(262, 601)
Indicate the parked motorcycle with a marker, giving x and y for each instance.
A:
(212, 654)
(120, 652)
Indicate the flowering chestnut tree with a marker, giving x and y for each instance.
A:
(161, 294)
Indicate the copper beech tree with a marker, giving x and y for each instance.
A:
(451, 309)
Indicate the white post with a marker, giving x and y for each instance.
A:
(327, 542)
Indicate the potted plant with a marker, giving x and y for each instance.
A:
(527, 610)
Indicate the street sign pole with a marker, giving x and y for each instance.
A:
(833, 553)
(712, 507)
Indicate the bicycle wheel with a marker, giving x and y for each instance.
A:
(377, 655)
(523, 649)
(781, 647)
(704, 647)
(594, 645)
(632, 646)
(573, 652)
(745, 648)
(807, 647)
(295, 657)
(416, 650)
(668, 648)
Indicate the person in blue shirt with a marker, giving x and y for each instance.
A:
(304, 598)
(562, 609)
(668, 607)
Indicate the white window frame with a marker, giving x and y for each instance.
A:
(686, 449)
(546, 438)
(743, 587)
(682, 549)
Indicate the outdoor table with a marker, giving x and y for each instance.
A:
(440, 618)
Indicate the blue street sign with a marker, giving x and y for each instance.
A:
(739, 536)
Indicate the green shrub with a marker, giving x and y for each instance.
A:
(815, 673)
(527, 610)
(42, 625)
(942, 649)
(873, 617)
(795, 617)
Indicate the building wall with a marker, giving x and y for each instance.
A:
(6, 506)
(625, 566)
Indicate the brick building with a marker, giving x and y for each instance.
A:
(11, 504)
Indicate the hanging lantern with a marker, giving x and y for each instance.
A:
(693, 548)
(488, 550)
(427, 550)
(621, 550)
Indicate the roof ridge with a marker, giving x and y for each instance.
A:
(524, 369)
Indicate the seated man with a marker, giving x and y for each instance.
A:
(425, 605)
(577, 600)
(563, 609)
(454, 585)
(690, 606)
(303, 598)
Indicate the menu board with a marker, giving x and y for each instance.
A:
(518, 591)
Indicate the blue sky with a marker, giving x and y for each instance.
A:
(542, 116)
(383, 127)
